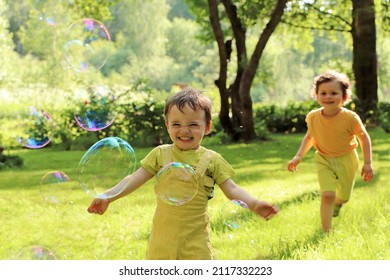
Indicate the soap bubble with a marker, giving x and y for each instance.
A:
(105, 164)
(55, 187)
(176, 183)
(52, 12)
(33, 128)
(233, 213)
(88, 44)
(36, 252)
(95, 108)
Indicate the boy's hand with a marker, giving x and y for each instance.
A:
(265, 210)
(292, 165)
(98, 206)
(367, 172)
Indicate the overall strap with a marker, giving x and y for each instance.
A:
(166, 154)
(202, 166)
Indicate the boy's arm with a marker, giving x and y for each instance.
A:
(132, 182)
(307, 143)
(365, 143)
(262, 208)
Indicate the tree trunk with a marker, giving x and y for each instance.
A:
(250, 71)
(365, 59)
(236, 98)
(224, 118)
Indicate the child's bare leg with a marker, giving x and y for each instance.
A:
(326, 211)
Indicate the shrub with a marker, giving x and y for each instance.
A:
(10, 161)
(384, 116)
(288, 119)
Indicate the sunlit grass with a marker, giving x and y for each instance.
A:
(361, 232)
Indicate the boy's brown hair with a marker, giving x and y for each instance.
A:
(194, 98)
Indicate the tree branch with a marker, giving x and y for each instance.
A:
(311, 27)
(328, 14)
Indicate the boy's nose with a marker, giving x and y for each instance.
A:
(185, 129)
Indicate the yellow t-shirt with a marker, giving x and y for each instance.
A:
(334, 136)
(219, 169)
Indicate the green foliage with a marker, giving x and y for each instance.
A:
(97, 9)
(288, 119)
(384, 116)
(321, 14)
(7, 58)
(385, 14)
(9, 161)
(140, 118)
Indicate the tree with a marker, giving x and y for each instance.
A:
(365, 64)
(357, 18)
(8, 58)
(236, 114)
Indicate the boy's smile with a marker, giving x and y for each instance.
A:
(330, 96)
(187, 128)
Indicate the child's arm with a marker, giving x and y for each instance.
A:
(307, 143)
(100, 204)
(365, 143)
(261, 208)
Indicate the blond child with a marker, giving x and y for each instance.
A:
(332, 130)
(183, 232)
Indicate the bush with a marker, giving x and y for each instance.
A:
(10, 161)
(384, 116)
(287, 119)
(139, 121)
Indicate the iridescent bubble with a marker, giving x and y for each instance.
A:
(233, 213)
(105, 164)
(55, 187)
(33, 128)
(95, 108)
(36, 252)
(176, 183)
(52, 12)
(88, 44)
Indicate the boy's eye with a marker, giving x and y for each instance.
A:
(175, 124)
(194, 124)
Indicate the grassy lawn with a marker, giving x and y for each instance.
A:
(360, 233)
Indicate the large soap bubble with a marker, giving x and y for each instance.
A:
(88, 45)
(95, 108)
(33, 128)
(105, 164)
(234, 212)
(55, 187)
(176, 183)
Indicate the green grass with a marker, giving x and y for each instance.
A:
(360, 233)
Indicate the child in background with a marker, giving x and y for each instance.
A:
(183, 232)
(332, 130)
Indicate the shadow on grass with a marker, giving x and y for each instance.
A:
(219, 225)
(302, 198)
(373, 183)
(285, 249)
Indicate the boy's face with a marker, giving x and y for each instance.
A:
(330, 95)
(187, 129)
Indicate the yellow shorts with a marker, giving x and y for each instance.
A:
(337, 174)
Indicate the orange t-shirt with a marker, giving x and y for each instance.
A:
(334, 136)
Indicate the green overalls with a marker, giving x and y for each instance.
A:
(183, 232)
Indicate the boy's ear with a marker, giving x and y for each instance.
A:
(166, 124)
(345, 97)
(208, 128)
